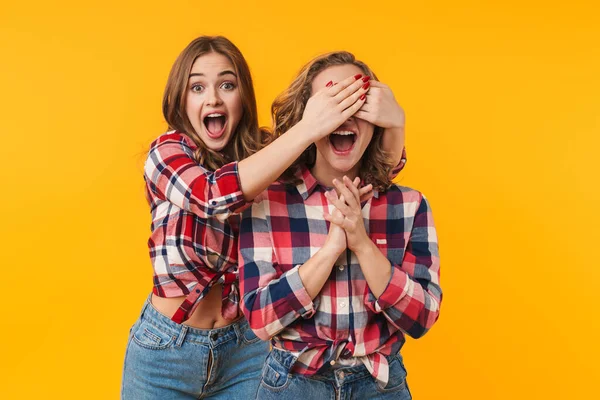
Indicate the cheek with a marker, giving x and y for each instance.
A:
(365, 127)
(192, 106)
(322, 144)
(235, 103)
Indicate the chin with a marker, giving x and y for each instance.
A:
(215, 144)
(343, 166)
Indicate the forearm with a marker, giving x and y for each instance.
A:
(261, 169)
(393, 143)
(418, 307)
(375, 267)
(272, 301)
(315, 272)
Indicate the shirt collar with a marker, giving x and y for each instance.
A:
(308, 183)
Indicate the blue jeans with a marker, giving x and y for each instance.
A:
(165, 360)
(343, 383)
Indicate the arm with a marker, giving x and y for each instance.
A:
(273, 298)
(382, 109)
(173, 175)
(408, 295)
(326, 110)
(412, 296)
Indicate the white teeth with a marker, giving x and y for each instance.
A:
(343, 133)
(213, 115)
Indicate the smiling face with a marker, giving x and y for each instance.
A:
(340, 152)
(213, 103)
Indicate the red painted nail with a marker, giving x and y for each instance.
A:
(366, 78)
(366, 85)
(357, 76)
(363, 96)
(329, 84)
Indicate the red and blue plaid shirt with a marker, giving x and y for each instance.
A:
(285, 227)
(194, 232)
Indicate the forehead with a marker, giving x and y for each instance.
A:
(336, 73)
(211, 63)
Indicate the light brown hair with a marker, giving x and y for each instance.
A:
(248, 138)
(288, 107)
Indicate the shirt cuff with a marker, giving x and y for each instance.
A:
(308, 307)
(395, 290)
(226, 180)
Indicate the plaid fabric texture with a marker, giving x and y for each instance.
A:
(193, 244)
(345, 322)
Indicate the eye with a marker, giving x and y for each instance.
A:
(227, 86)
(196, 88)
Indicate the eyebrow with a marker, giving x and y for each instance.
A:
(222, 73)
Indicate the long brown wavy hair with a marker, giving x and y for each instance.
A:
(288, 107)
(248, 138)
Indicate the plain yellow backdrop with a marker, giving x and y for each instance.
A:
(502, 102)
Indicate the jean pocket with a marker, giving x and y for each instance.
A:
(151, 337)
(397, 377)
(275, 376)
(249, 337)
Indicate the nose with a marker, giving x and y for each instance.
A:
(212, 97)
(350, 120)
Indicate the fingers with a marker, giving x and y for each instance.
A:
(342, 205)
(367, 196)
(365, 190)
(350, 111)
(365, 116)
(352, 83)
(352, 88)
(350, 185)
(359, 95)
(377, 84)
(346, 192)
(334, 219)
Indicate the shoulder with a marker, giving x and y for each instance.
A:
(173, 137)
(411, 200)
(274, 192)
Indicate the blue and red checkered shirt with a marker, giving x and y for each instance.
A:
(194, 231)
(285, 227)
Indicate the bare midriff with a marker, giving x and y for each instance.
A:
(206, 316)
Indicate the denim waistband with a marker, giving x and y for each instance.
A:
(328, 372)
(182, 332)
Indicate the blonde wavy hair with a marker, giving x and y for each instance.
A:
(287, 110)
(248, 138)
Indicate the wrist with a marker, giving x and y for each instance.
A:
(310, 131)
(363, 248)
(330, 251)
(396, 129)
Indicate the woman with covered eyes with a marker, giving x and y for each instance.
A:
(191, 339)
(333, 281)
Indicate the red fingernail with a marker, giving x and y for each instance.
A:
(366, 85)
(329, 84)
(366, 78)
(363, 96)
(357, 76)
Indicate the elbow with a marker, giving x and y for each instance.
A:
(260, 329)
(422, 325)
(256, 321)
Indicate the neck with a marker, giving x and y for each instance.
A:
(324, 173)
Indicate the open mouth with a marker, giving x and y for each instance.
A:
(342, 142)
(215, 124)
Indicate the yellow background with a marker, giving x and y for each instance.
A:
(502, 103)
